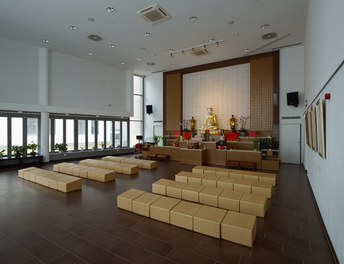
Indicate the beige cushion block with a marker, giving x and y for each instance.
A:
(268, 177)
(102, 175)
(159, 187)
(124, 200)
(251, 175)
(84, 170)
(53, 180)
(226, 183)
(199, 169)
(22, 171)
(222, 172)
(69, 183)
(141, 204)
(149, 164)
(210, 180)
(208, 220)
(160, 209)
(130, 169)
(31, 174)
(42, 180)
(239, 228)
(182, 214)
(127, 161)
(230, 200)
(191, 192)
(209, 196)
(242, 185)
(83, 162)
(174, 189)
(253, 204)
(210, 171)
(56, 167)
(67, 168)
(138, 162)
(79, 170)
(196, 178)
(182, 176)
(262, 188)
(236, 174)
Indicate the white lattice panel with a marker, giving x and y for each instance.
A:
(227, 90)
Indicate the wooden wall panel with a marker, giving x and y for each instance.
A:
(173, 107)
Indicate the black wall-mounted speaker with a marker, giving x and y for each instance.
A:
(293, 98)
(149, 109)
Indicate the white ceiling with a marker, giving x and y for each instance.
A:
(31, 21)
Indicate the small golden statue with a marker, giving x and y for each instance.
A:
(232, 122)
(210, 122)
(192, 123)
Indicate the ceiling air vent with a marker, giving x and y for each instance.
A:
(154, 14)
(199, 52)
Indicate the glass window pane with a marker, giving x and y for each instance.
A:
(138, 111)
(81, 134)
(59, 131)
(138, 85)
(125, 134)
(3, 135)
(135, 130)
(17, 131)
(109, 134)
(91, 133)
(100, 135)
(117, 133)
(50, 135)
(70, 133)
(32, 130)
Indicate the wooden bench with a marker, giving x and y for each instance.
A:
(233, 164)
(248, 165)
(152, 156)
(163, 157)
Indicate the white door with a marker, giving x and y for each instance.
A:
(290, 147)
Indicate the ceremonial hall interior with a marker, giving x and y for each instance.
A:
(171, 131)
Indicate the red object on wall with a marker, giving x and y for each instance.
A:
(327, 96)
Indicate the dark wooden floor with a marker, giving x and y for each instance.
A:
(40, 225)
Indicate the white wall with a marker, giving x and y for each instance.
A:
(292, 80)
(154, 97)
(76, 86)
(323, 54)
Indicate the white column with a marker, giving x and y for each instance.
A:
(44, 100)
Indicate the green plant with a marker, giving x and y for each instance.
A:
(2, 153)
(156, 139)
(18, 150)
(266, 143)
(33, 147)
(62, 147)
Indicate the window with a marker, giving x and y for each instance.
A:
(136, 122)
(117, 133)
(3, 135)
(91, 136)
(58, 137)
(100, 135)
(125, 134)
(17, 131)
(81, 134)
(70, 134)
(109, 134)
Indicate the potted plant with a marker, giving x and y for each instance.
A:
(243, 130)
(18, 150)
(156, 140)
(33, 147)
(2, 153)
(61, 147)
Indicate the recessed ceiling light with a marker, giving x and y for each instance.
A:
(91, 19)
(139, 59)
(110, 9)
(265, 26)
(211, 40)
(170, 50)
(112, 45)
(148, 70)
(231, 22)
(95, 37)
(122, 62)
(90, 53)
(247, 50)
(46, 41)
(269, 35)
(172, 65)
(151, 63)
(193, 18)
(73, 27)
(147, 34)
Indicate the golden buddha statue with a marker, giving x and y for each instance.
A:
(192, 123)
(232, 122)
(210, 122)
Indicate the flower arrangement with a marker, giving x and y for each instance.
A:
(187, 136)
(242, 121)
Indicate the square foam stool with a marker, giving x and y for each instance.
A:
(239, 228)
(268, 177)
(191, 192)
(225, 183)
(262, 188)
(210, 180)
(209, 196)
(160, 209)
(198, 169)
(159, 187)
(222, 172)
(149, 164)
(141, 204)
(230, 200)
(69, 183)
(182, 176)
(174, 189)
(130, 169)
(242, 185)
(196, 178)
(22, 171)
(53, 180)
(236, 174)
(251, 175)
(31, 175)
(43, 179)
(253, 204)
(125, 200)
(210, 171)
(182, 214)
(208, 220)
